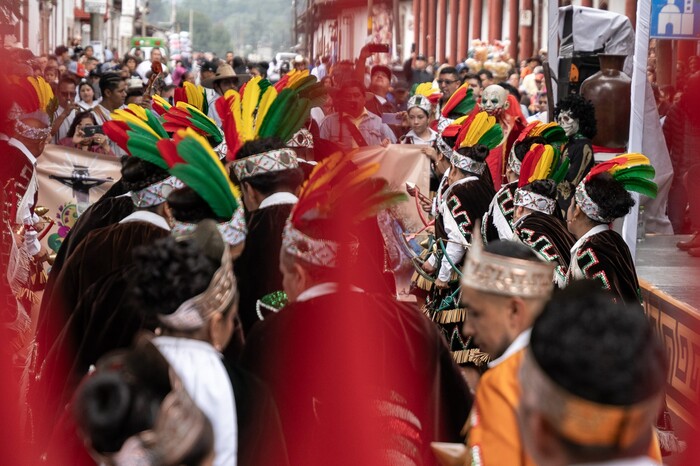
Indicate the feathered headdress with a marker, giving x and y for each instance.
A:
(259, 113)
(551, 132)
(542, 162)
(633, 171)
(477, 129)
(137, 131)
(192, 94)
(190, 158)
(424, 96)
(291, 79)
(336, 187)
(32, 98)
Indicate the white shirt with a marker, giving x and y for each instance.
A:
(456, 243)
(205, 378)
(420, 141)
(145, 66)
(65, 125)
(24, 215)
(280, 198)
(520, 342)
(575, 273)
(148, 217)
(322, 289)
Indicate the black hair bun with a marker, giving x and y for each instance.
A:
(547, 188)
(105, 401)
(611, 197)
(478, 152)
(138, 174)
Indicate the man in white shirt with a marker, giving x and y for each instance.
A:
(113, 89)
(67, 108)
(145, 66)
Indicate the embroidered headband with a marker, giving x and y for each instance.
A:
(267, 162)
(507, 276)
(534, 201)
(233, 232)
(421, 102)
(302, 138)
(585, 422)
(587, 205)
(319, 252)
(513, 163)
(37, 134)
(458, 160)
(155, 194)
(196, 311)
(177, 429)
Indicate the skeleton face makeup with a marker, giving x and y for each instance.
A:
(568, 122)
(494, 99)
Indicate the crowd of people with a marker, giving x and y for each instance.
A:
(228, 300)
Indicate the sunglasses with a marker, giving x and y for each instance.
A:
(447, 81)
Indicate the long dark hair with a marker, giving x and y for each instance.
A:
(78, 118)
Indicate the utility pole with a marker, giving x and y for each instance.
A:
(191, 28)
(144, 17)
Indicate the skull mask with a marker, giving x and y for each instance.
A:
(568, 122)
(494, 99)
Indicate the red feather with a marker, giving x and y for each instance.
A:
(464, 128)
(282, 83)
(116, 131)
(180, 95)
(529, 164)
(451, 131)
(228, 125)
(157, 108)
(168, 149)
(605, 166)
(526, 131)
(455, 99)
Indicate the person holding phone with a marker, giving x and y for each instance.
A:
(67, 108)
(85, 134)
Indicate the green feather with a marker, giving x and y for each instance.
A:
(156, 123)
(493, 137)
(195, 155)
(277, 113)
(203, 122)
(646, 187)
(638, 171)
(145, 148)
(561, 171)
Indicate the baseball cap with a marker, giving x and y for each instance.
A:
(209, 66)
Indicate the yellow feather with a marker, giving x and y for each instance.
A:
(250, 98)
(544, 165)
(189, 132)
(139, 111)
(481, 124)
(126, 117)
(37, 91)
(48, 92)
(161, 101)
(265, 104)
(293, 78)
(539, 129)
(633, 159)
(460, 120)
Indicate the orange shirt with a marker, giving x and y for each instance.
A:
(493, 437)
